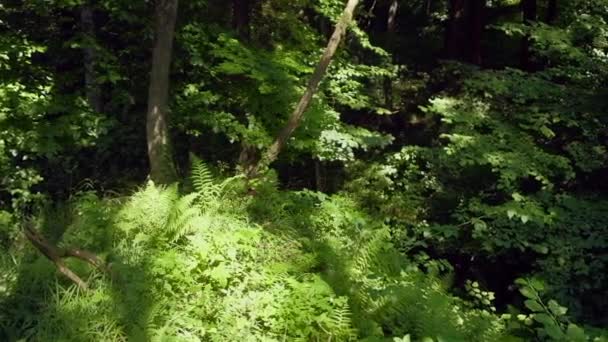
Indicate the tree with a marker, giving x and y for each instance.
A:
(296, 116)
(162, 169)
(92, 88)
(391, 24)
(463, 33)
(241, 17)
(529, 10)
(477, 25)
(551, 12)
(455, 30)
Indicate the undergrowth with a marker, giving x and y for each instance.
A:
(217, 265)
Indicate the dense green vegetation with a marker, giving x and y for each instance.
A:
(294, 170)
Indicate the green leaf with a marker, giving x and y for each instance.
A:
(537, 284)
(554, 331)
(534, 305)
(220, 274)
(557, 309)
(547, 132)
(575, 333)
(528, 292)
(405, 338)
(521, 281)
(543, 318)
(510, 213)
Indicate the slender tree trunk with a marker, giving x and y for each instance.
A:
(93, 90)
(391, 22)
(529, 9)
(162, 169)
(455, 31)
(476, 25)
(296, 116)
(551, 12)
(391, 25)
(241, 17)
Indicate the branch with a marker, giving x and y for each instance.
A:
(296, 116)
(55, 254)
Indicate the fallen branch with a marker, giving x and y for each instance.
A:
(56, 255)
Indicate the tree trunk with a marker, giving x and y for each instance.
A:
(391, 25)
(391, 22)
(529, 15)
(241, 17)
(476, 25)
(162, 170)
(296, 116)
(93, 91)
(551, 12)
(455, 31)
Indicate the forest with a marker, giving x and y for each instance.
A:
(304, 170)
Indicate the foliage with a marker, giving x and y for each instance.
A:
(453, 201)
(224, 278)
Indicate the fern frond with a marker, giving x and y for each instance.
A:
(341, 324)
(202, 180)
(148, 209)
(182, 217)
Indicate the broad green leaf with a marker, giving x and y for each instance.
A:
(528, 292)
(575, 333)
(537, 284)
(557, 309)
(554, 331)
(534, 305)
(510, 213)
(543, 318)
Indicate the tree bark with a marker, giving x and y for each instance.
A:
(391, 22)
(529, 10)
(296, 116)
(551, 12)
(464, 30)
(477, 24)
(162, 170)
(241, 17)
(93, 90)
(391, 26)
(455, 30)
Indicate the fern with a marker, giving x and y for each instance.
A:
(203, 182)
(210, 194)
(183, 217)
(340, 323)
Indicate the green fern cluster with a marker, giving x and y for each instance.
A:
(309, 267)
(387, 292)
(186, 272)
(208, 191)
